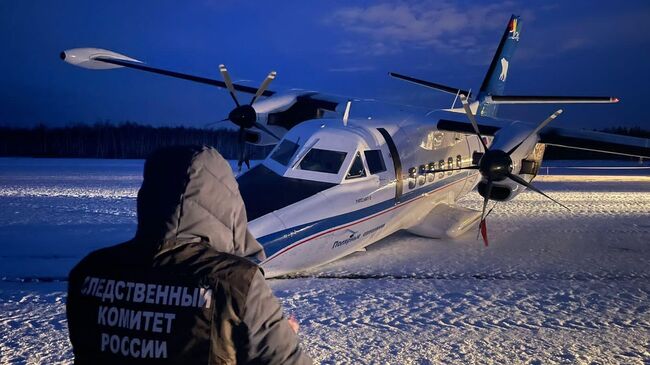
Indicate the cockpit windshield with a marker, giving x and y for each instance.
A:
(285, 152)
(323, 161)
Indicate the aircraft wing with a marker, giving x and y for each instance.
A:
(557, 136)
(96, 58)
(99, 59)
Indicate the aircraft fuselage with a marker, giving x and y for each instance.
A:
(307, 215)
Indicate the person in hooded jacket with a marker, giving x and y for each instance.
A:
(185, 289)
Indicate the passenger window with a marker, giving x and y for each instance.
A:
(356, 170)
(476, 157)
(413, 174)
(375, 161)
(450, 165)
(323, 161)
(459, 161)
(422, 178)
(431, 176)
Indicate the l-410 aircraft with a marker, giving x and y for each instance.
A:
(341, 178)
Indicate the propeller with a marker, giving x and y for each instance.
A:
(244, 115)
(470, 116)
(496, 165)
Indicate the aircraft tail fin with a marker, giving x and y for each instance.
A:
(495, 79)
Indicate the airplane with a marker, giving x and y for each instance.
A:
(346, 173)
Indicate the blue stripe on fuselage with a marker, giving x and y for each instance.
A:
(276, 242)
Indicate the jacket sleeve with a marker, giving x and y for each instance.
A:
(270, 338)
(72, 312)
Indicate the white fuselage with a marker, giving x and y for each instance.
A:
(305, 218)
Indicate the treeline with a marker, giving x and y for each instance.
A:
(131, 140)
(559, 153)
(105, 140)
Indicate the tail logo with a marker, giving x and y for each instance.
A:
(504, 70)
(513, 29)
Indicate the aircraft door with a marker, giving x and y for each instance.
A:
(396, 173)
(376, 162)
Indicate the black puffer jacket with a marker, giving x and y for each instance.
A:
(184, 290)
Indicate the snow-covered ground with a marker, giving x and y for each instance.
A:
(552, 287)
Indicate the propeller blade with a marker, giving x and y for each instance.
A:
(536, 130)
(483, 230)
(486, 199)
(217, 122)
(265, 84)
(242, 145)
(262, 127)
(226, 79)
(521, 181)
(470, 116)
(482, 226)
(490, 211)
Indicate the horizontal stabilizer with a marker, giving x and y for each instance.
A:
(431, 85)
(527, 99)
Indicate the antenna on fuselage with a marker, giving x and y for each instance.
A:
(346, 114)
(453, 105)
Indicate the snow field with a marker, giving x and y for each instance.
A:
(553, 286)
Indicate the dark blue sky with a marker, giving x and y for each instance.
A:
(342, 47)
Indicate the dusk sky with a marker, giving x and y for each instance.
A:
(340, 47)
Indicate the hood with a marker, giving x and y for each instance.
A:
(190, 194)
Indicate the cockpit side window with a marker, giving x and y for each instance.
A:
(375, 161)
(285, 152)
(323, 161)
(356, 170)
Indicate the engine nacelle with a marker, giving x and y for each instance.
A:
(261, 138)
(501, 190)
